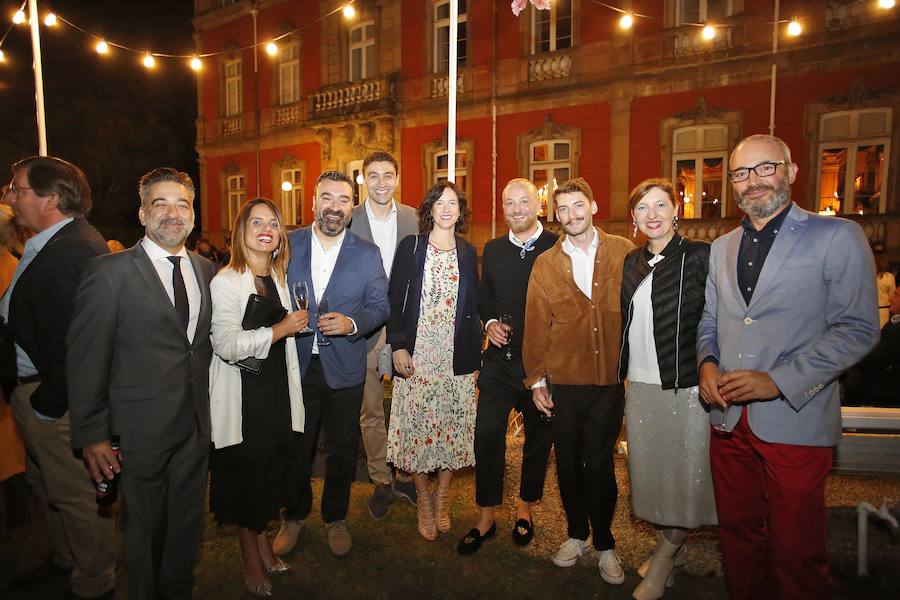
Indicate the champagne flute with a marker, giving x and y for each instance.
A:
(722, 428)
(506, 319)
(301, 297)
(321, 339)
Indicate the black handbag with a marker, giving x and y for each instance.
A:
(260, 312)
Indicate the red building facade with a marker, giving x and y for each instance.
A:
(550, 95)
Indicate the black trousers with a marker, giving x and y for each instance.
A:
(162, 504)
(337, 410)
(588, 421)
(500, 390)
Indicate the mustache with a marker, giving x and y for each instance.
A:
(172, 221)
(758, 187)
(327, 212)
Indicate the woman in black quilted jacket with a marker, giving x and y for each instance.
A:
(667, 424)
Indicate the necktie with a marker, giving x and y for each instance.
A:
(181, 297)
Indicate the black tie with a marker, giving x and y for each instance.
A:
(181, 297)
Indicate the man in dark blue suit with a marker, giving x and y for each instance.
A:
(346, 272)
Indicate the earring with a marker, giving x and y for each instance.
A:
(675, 222)
(634, 232)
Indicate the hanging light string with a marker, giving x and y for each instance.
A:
(102, 42)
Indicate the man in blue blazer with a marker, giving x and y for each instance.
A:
(346, 272)
(790, 304)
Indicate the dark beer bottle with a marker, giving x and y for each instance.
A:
(108, 489)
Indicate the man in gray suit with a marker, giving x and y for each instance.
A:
(138, 367)
(383, 221)
(790, 304)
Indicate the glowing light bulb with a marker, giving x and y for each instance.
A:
(709, 32)
(886, 4)
(2, 57)
(149, 61)
(359, 179)
(286, 186)
(50, 20)
(102, 47)
(271, 48)
(196, 63)
(626, 21)
(19, 17)
(349, 12)
(794, 29)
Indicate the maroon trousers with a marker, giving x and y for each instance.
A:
(770, 499)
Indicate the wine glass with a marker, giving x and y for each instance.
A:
(506, 319)
(722, 428)
(301, 297)
(321, 339)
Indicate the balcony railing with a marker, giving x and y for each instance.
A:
(355, 97)
(285, 115)
(688, 41)
(440, 86)
(230, 126)
(542, 68)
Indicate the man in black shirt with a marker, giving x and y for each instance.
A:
(506, 267)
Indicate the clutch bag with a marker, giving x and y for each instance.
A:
(260, 312)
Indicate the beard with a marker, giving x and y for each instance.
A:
(330, 227)
(170, 238)
(780, 195)
(520, 226)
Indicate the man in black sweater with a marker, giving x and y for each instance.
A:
(506, 267)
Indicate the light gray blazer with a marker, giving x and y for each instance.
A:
(813, 314)
(407, 224)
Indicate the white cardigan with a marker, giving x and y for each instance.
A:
(230, 293)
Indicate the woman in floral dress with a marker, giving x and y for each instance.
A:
(435, 335)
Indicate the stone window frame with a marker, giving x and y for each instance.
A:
(230, 58)
(433, 36)
(701, 114)
(549, 130)
(294, 216)
(432, 149)
(367, 71)
(532, 29)
(230, 209)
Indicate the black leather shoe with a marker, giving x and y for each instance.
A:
(473, 540)
(523, 532)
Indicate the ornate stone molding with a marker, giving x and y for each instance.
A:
(860, 94)
(702, 113)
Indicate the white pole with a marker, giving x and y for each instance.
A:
(451, 94)
(38, 76)
(774, 75)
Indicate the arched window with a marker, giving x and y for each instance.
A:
(362, 51)
(699, 165)
(853, 158)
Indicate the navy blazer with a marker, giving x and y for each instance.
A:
(406, 295)
(357, 289)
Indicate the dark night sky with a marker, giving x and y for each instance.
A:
(107, 114)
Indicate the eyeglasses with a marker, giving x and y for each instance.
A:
(763, 169)
(14, 189)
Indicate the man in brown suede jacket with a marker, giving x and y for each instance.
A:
(573, 329)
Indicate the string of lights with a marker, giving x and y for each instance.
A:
(104, 46)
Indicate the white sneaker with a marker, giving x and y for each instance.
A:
(286, 538)
(570, 551)
(611, 567)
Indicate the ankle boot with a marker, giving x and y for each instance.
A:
(679, 560)
(659, 574)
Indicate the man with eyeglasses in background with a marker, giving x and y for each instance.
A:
(790, 305)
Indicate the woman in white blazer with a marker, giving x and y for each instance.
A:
(254, 415)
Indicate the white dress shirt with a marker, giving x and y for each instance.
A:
(582, 262)
(384, 234)
(643, 365)
(164, 268)
(321, 266)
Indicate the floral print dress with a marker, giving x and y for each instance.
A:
(433, 412)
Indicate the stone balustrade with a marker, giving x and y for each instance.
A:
(542, 68)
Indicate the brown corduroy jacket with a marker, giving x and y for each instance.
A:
(570, 339)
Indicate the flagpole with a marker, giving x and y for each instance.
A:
(451, 94)
(38, 76)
